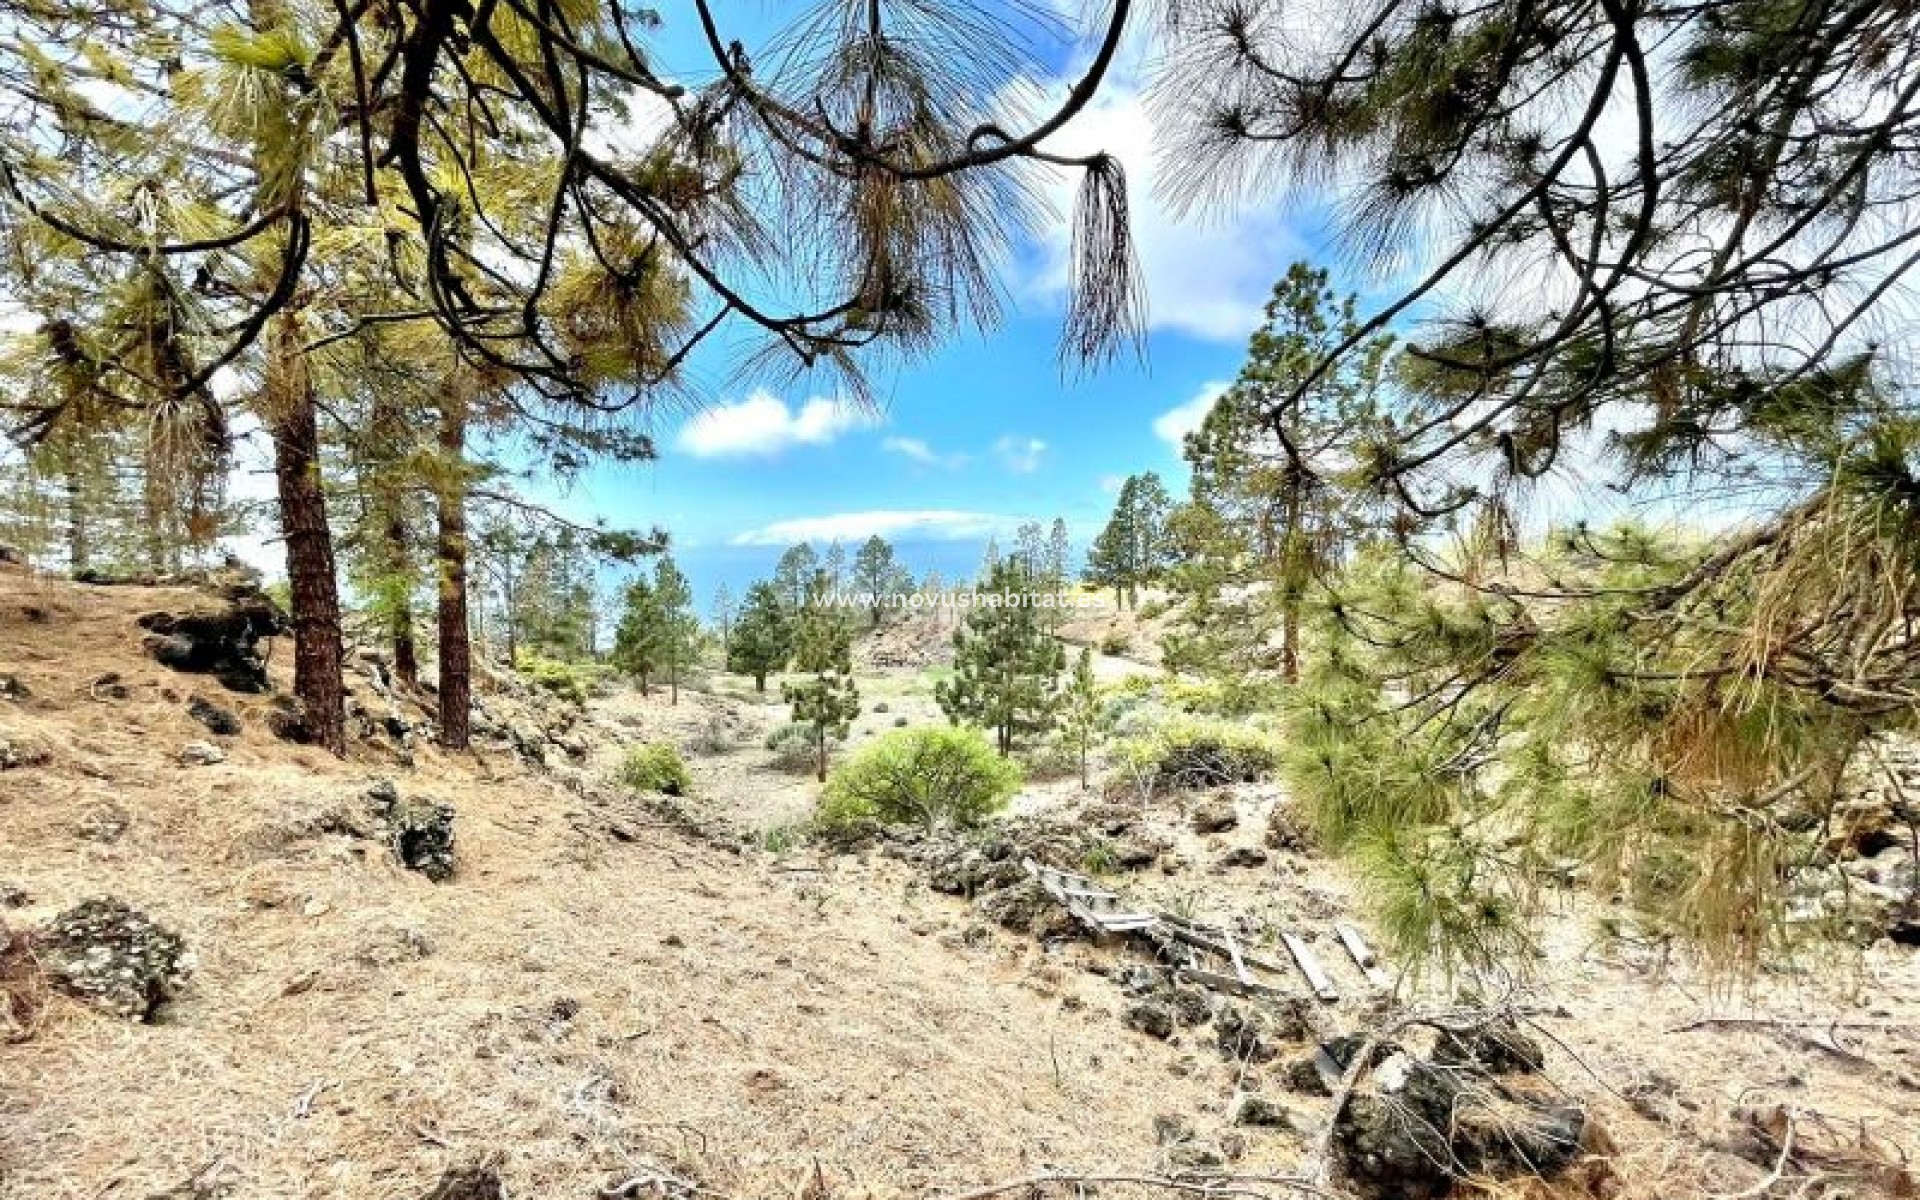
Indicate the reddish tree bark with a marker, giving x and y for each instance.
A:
(293, 421)
(456, 652)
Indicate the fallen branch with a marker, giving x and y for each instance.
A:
(1197, 1185)
(1774, 1176)
(1794, 1023)
(1811, 1034)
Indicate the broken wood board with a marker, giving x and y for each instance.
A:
(1317, 976)
(1362, 955)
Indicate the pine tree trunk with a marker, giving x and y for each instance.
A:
(456, 652)
(294, 423)
(820, 773)
(406, 655)
(759, 682)
(1292, 576)
(510, 605)
(78, 550)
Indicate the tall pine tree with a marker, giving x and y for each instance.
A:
(1006, 665)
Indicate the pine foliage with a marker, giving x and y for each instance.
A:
(1006, 664)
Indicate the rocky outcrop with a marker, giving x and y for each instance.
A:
(1416, 1126)
(1216, 814)
(114, 957)
(219, 641)
(419, 829)
(218, 720)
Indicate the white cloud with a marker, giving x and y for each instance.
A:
(1176, 423)
(919, 451)
(1205, 278)
(762, 424)
(1021, 455)
(927, 524)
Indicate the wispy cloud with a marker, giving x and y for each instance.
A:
(1176, 423)
(1021, 455)
(763, 424)
(926, 524)
(917, 450)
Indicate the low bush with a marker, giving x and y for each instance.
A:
(882, 707)
(1232, 697)
(715, 736)
(1115, 642)
(656, 767)
(779, 839)
(1194, 752)
(1052, 758)
(943, 775)
(792, 746)
(568, 681)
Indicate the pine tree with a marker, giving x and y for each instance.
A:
(1080, 711)
(1059, 567)
(724, 611)
(673, 596)
(1030, 546)
(793, 575)
(1006, 665)
(1273, 509)
(1131, 552)
(1107, 557)
(877, 575)
(762, 638)
(828, 702)
(834, 563)
(641, 640)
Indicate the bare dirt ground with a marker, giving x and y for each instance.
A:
(584, 1011)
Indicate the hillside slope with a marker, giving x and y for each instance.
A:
(580, 1010)
(603, 1000)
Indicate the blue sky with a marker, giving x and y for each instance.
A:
(986, 433)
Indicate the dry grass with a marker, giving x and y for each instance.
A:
(587, 1013)
(593, 1011)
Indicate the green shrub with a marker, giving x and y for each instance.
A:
(565, 680)
(1050, 759)
(899, 722)
(1115, 642)
(792, 746)
(714, 736)
(656, 767)
(779, 839)
(1232, 697)
(1196, 752)
(943, 775)
(1099, 858)
(1150, 609)
(882, 707)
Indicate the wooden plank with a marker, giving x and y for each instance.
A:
(1317, 977)
(1362, 955)
(1227, 983)
(1187, 932)
(1233, 952)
